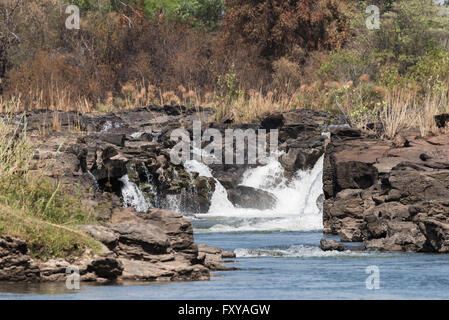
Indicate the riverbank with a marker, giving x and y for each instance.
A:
(300, 276)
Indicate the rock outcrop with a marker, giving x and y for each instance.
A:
(390, 196)
(157, 245)
(249, 197)
(15, 263)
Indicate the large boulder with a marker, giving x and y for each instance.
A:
(249, 197)
(151, 239)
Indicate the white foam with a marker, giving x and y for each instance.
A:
(297, 251)
(296, 208)
(133, 196)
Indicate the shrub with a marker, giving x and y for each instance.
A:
(344, 65)
(432, 69)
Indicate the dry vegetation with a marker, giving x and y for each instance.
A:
(261, 56)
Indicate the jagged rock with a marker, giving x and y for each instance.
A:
(273, 121)
(102, 234)
(106, 267)
(212, 257)
(15, 263)
(441, 120)
(302, 154)
(390, 198)
(249, 197)
(331, 245)
(320, 202)
(178, 228)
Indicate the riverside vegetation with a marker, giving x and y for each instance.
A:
(239, 66)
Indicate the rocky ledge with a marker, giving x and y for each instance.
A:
(389, 195)
(157, 245)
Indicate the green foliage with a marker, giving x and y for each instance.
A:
(407, 32)
(228, 92)
(201, 12)
(343, 65)
(152, 6)
(432, 69)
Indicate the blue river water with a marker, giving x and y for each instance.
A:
(278, 265)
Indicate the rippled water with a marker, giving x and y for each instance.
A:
(278, 273)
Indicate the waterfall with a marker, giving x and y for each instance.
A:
(150, 181)
(133, 196)
(296, 208)
(97, 186)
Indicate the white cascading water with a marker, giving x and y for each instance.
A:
(133, 196)
(296, 208)
(297, 251)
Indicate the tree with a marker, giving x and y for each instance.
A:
(277, 26)
(8, 37)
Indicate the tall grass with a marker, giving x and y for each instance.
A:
(397, 113)
(32, 206)
(432, 105)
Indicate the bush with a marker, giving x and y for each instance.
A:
(432, 69)
(407, 33)
(344, 65)
(201, 12)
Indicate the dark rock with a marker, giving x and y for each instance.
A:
(273, 121)
(151, 239)
(381, 196)
(331, 245)
(15, 263)
(424, 157)
(441, 120)
(249, 197)
(106, 267)
(347, 132)
(115, 139)
(400, 142)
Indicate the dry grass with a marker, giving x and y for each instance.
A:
(254, 104)
(398, 112)
(400, 108)
(433, 104)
